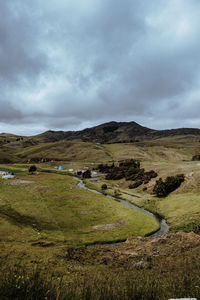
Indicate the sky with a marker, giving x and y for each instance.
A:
(72, 64)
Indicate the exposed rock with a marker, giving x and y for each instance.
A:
(85, 212)
(141, 264)
(108, 226)
(21, 182)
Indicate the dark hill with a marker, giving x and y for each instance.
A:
(117, 132)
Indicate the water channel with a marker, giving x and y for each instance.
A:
(164, 228)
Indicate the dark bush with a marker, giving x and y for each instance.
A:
(149, 175)
(173, 182)
(160, 188)
(135, 184)
(32, 169)
(115, 173)
(196, 157)
(105, 168)
(137, 173)
(129, 163)
(104, 186)
(132, 173)
(86, 174)
(163, 188)
(130, 169)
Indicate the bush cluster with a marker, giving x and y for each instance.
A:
(105, 168)
(171, 183)
(104, 186)
(32, 169)
(135, 184)
(86, 174)
(128, 169)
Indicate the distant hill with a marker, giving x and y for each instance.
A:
(105, 142)
(116, 132)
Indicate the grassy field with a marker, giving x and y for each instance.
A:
(181, 208)
(45, 206)
(46, 221)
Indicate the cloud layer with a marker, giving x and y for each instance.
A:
(73, 64)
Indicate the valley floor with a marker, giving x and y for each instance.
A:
(46, 221)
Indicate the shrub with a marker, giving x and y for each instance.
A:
(104, 186)
(86, 174)
(32, 169)
(115, 174)
(135, 184)
(173, 182)
(129, 163)
(196, 157)
(132, 173)
(160, 188)
(163, 188)
(105, 168)
(130, 169)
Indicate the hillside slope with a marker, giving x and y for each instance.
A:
(117, 132)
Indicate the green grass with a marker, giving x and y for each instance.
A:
(181, 208)
(56, 206)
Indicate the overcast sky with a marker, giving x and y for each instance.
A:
(71, 64)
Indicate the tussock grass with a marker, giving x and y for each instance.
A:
(160, 283)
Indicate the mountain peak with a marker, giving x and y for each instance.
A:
(117, 132)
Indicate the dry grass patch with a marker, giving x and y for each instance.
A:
(19, 182)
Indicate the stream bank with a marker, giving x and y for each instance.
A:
(164, 228)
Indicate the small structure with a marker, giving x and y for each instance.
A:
(60, 168)
(8, 176)
(3, 173)
(71, 170)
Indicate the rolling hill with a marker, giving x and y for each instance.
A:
(117, 132)
(106, 142)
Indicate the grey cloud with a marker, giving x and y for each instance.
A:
(8, 113)
(65, 63)
(19, 46)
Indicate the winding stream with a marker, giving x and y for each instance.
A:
(164, 228)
